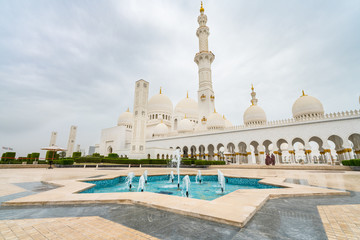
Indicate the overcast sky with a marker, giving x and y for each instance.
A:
(69, 62)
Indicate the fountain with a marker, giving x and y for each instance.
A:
(141, 183)
(172, 176)
(177, 159)
(145, 176)
(186, 186)
(221, 180)
(129, 179)
(198, 177)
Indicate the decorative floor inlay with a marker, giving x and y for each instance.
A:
(341, 221)
(67, 228)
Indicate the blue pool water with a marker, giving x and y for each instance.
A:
(209, 189)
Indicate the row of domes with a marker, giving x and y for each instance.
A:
(304, 106)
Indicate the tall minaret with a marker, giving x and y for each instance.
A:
(71, 141)
(53, 139)
(204, 58)
(140, 116)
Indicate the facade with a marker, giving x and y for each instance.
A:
(199, 131)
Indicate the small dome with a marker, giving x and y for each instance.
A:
(126, 119)
(160, 103)
(188, 107)
(161, 129)
(254, 115)
(307, 106)
(185, 125)
(215, 121)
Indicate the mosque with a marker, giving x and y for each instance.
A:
(155, 128)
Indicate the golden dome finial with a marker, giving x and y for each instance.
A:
(252, 87)
(128, 110)
(303, 93)
(224, 117)
(187, 94)
(202, 8)
(185, 116)
(160, 90)
(214, 110)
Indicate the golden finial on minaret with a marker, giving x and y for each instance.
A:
(252, 87)
(185, 116)
(202, 8)
(224, 117)
(128, 110)
(187, 94)
(214, 110)
(160, 90)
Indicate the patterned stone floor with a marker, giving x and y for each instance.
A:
(341, 221)
(67, 228)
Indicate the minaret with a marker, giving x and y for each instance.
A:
(53, 139)
(71, 141)
(204, 58)
(140, 116)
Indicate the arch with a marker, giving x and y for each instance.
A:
(355, 139)
(337, 141)
(297, 139)
(162, 156)
(110, 150)
(230, 155)
(201, 152)
(267, 146)
(211, 152)
(193, 151)
(158, 156)
(175, 124)
(185, 152)
(317, 150)
(243, 152)
(149, 156)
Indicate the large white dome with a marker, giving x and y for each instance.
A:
(126, 119)
(307, 106)
(160, 103)
(185, 125)
(161, 129)
(254, 115)
(188, 107)
(215, 121)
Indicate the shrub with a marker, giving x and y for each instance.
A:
(8, 156)
(113, 155)
(76, 154)
(352, 162)
(346, 162)
(88, 160)
(35, 156)
(51, 155)
(96, 155)
(208, 162)
(29, 156)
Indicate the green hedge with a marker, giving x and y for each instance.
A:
(206, 162)
(96, 155)
(64, 161)
(8, 156)
(35, 156)
(113, 155)
(353, 162)
(51, 155)
(76, 154)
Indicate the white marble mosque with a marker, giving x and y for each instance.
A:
(155, 128)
